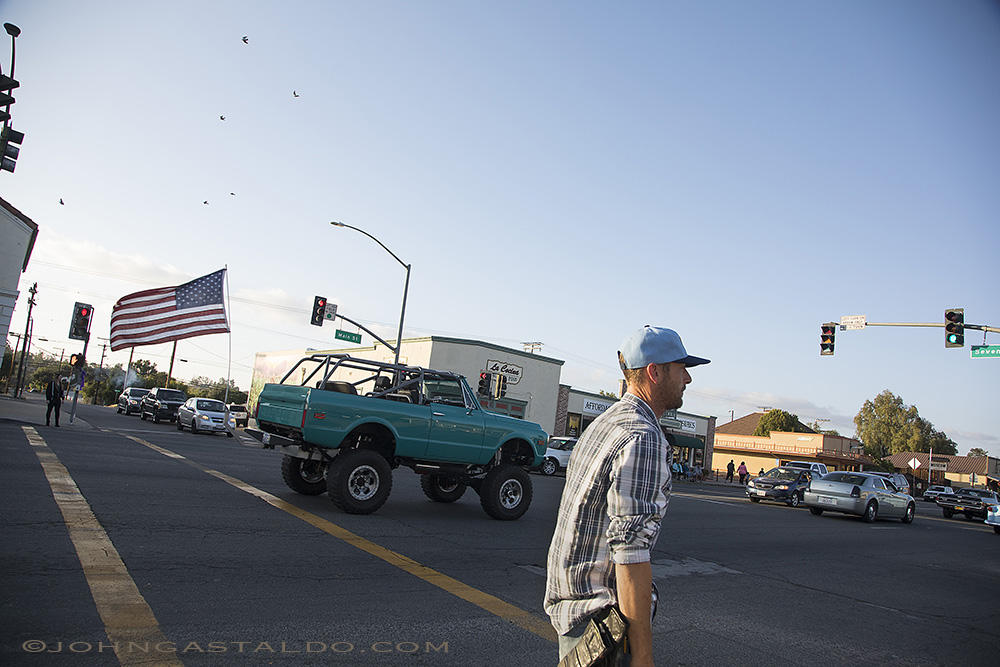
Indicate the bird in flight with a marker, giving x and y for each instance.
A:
(246, 40)
(222, 118)
(233, 193)
(295, 94)
(62, 202)
(205, 202)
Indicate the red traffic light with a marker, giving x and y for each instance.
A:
(83, 312)
(320, 302)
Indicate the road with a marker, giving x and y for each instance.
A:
(191, 546)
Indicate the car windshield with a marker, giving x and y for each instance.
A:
(976, 493)
(444, 390)
(211, 406)
(846, 478)
(137, 392)
(238, 408)
(170, 395)
(784, 474)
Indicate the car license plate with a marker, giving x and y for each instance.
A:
(826, 500)
(759, 492)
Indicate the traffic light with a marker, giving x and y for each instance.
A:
(954, 327)
(7, 84)
(10, 147)
(485, 381)
(319, 308)
(501, 388)
(79, 327)
(827, 338)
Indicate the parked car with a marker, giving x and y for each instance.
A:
(781, 484)
(933, 492)
(128, 400)
(557, 455)
(993, 518)
(864, 494)
(898, 480)
(973, 503)
(239, 413)
(161, 403)
(205, 415)
(819, 468)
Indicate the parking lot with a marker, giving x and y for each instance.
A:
(236, 568)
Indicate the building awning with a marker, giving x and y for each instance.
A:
(687, 441)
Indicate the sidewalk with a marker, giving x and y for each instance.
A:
(31, 410)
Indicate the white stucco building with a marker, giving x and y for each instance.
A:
(17, 238)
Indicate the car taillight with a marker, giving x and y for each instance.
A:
(855, 492)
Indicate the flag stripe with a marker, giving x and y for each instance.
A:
(164, 314)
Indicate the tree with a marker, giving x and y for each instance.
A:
(978, 451)
(888, 426)
(204, 387)
(815, 426)
(607, 394)
(781, 421)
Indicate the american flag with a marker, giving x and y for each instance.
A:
(170, 313)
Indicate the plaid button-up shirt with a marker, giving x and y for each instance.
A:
(616, 493)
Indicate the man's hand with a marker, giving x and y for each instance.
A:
(635, 598)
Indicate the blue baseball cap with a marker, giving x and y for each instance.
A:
(655, 345)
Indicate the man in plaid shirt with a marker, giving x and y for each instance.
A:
(616, 493)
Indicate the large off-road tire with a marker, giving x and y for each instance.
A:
(305, 477)
(908, 516)
(442, 488)
(359, 481)
(816, 511)
(505, 492)
(549, 467)
(871, 512)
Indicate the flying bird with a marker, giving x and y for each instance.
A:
(233, 193)
(295, 94)
(62, 202)
(222, 118)
(205, 202)
(246, 40)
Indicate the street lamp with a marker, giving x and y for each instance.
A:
(406, 286)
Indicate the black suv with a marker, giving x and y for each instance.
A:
(128, 400)
(161, 403)
(783, 485)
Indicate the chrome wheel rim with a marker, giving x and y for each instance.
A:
(363, 483)
(447, 486)
(511, 493)
(549, 468)
(312, 472)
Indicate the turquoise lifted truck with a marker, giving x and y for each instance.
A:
(346, 435)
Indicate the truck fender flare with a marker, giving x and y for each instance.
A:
(377, 427)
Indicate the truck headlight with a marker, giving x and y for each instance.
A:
(750, 484)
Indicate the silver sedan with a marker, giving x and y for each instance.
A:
(868, 496)
(205, 415)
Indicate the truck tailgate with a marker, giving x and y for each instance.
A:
(282, 404)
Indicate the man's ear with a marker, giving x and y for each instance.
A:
(651, 372)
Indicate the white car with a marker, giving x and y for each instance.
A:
(993, 518)
(239, 413)
(205, 415)
(557, 455)
(933, 492)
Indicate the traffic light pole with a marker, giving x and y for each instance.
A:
(939, 325)
(76, 394)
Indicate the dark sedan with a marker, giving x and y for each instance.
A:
(782, 485)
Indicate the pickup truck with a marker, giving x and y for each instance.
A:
(346, 431)
(973, 503)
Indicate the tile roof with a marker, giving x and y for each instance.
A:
(962, 465)
(748, 424)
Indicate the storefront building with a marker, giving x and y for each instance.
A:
(956, 471)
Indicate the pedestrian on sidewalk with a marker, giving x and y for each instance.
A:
(744, 473)
(729, 470)
(616, 493)
(54, 393)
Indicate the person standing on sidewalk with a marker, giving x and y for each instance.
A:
(616, 493)
(730, 469)
(744, 473)
(54, 397)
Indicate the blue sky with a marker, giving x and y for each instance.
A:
(555, 172)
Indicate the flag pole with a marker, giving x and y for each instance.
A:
(229, 365)
(128, 368)
(170, 373)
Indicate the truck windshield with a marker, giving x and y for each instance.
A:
(443, 390)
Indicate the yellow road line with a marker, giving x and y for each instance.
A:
(494, 605)
(128, 620)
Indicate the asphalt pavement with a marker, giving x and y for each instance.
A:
(238, 569)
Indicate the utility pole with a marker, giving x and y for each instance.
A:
(27, 326)
(100, 370)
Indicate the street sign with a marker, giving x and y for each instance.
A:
(850, 322)
(986, 351)
(939, 465)
(914, 463)
(330, 311)
(348, 336)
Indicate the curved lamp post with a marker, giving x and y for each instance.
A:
(406, 286)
